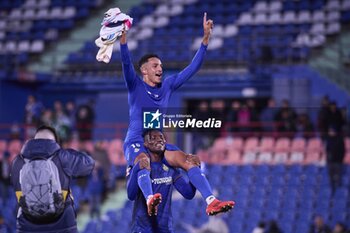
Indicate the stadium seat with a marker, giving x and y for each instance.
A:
(264, 158)
(318, 28)
(260, 7)
(275, 6)
(298, 145)
(304, 17)
(245, 19)
(314, 145)
(267, 144)
(236, 143)
(251, 144)
(333, 5)
(313, 157)
(345, 5)
(318, 17)
(233, 157)
(289, 17)
(297, 150)
(281, 150)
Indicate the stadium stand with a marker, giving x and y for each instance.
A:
(29, 27)
(273, 47)
(248, 32)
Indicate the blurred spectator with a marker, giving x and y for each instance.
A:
(33, 110)
(100, 155)
(47, 117)
(71, 112)
(233, 116)
(244, 120)
(254, 115)
(267, 116)
(5, 175)
(260, 228)
(217, 111)
(62, 123)
(273, 227)
(319, 226)
(304, 126)
(335, 149)
(15, 131)
(202, 136)
(214, 225)
(95, 189)
(322, 117)
(85, 117)
(339, 228)
(286, 119)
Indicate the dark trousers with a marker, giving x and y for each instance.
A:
(335, 172)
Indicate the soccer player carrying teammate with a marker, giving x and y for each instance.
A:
(164, 178)
(152, 92)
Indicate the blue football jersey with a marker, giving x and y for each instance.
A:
(141, 96)
(162, 177)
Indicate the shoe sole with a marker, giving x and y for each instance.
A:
(223, 209)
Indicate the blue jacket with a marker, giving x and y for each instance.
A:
(71, 164)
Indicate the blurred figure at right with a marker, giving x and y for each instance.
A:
(319, 226)
(335, 149)
(339, 228)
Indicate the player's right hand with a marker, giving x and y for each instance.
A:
(123, 37)
(193, 159)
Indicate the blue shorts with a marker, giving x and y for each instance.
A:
(133, 149)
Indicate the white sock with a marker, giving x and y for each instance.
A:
(210, 199)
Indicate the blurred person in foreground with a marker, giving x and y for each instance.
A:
(41, 175)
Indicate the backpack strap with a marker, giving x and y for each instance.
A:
(65, 190)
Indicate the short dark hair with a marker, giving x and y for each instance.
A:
(147, 132)
(51, 129)
(145, 58)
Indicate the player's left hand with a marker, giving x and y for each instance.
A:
(207, 25)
